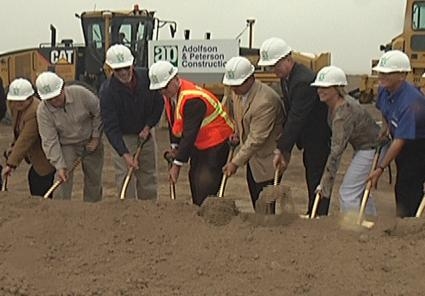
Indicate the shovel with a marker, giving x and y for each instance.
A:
(266, 203)
(131, 170)
(360, 219)
(59, 182)
(315, 206)
(271, 205)
(4, 185)
(225, 177)
(421, 208)
(169, 159)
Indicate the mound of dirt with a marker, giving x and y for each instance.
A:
(113, 247)
(218, 211)
(130, 247)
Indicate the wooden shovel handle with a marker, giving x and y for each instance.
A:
(131, 170)
(59, 182)
(368, 188)
(421, 208)
(172, 190)
(4, 185)
(276, 177)
(224, 178)
(315, 206)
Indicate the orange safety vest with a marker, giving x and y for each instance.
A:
(216, 127)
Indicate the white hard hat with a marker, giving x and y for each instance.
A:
(49, 85)
(119, 56)
(19, 90)
(160, 74)
(272, 50)
(330, 76)
(237, 70)
(393, 61)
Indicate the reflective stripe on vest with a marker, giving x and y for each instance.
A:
(218, 108)
(216, 127)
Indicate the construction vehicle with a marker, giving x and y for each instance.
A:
(85, 62)
(133, 28)
(411, 41)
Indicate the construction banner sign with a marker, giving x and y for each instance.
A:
(194, 56)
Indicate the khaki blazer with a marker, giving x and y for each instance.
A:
(27, 142)
(259, 124)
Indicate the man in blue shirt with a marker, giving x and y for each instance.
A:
(130, 111)
(403, 108)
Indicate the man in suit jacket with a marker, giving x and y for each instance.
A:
(306, 125)
(259, 116)
(27, 143)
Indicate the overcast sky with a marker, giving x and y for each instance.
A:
(351, 30)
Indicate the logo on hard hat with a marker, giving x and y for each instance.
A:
(264, 55)
(322, 76)
(46, 88)
(154, 79)
(230, 75)
(15, 91)
(384, 61)
(120, 58)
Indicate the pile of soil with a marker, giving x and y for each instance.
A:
(50, 247)
(130, 247)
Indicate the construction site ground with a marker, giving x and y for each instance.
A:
(51, 247)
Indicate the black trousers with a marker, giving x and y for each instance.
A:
(254, 187)
(206, 171)
(39, 184)
(410, 164)
(314, 160)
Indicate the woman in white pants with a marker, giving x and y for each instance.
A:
(350, 124)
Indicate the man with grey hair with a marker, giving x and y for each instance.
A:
(70, 128)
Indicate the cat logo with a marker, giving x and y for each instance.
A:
(62, 56)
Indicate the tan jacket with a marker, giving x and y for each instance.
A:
(259, 124)
(27, 142)
(74, 124)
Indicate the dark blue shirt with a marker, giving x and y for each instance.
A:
(127, 112)
(404, 111)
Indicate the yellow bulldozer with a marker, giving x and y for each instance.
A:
(411, 41)
(133, 28)
(85, 62)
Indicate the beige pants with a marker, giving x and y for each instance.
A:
(143, 183)
(92, 166)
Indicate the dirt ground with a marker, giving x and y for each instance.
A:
(114, 247)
